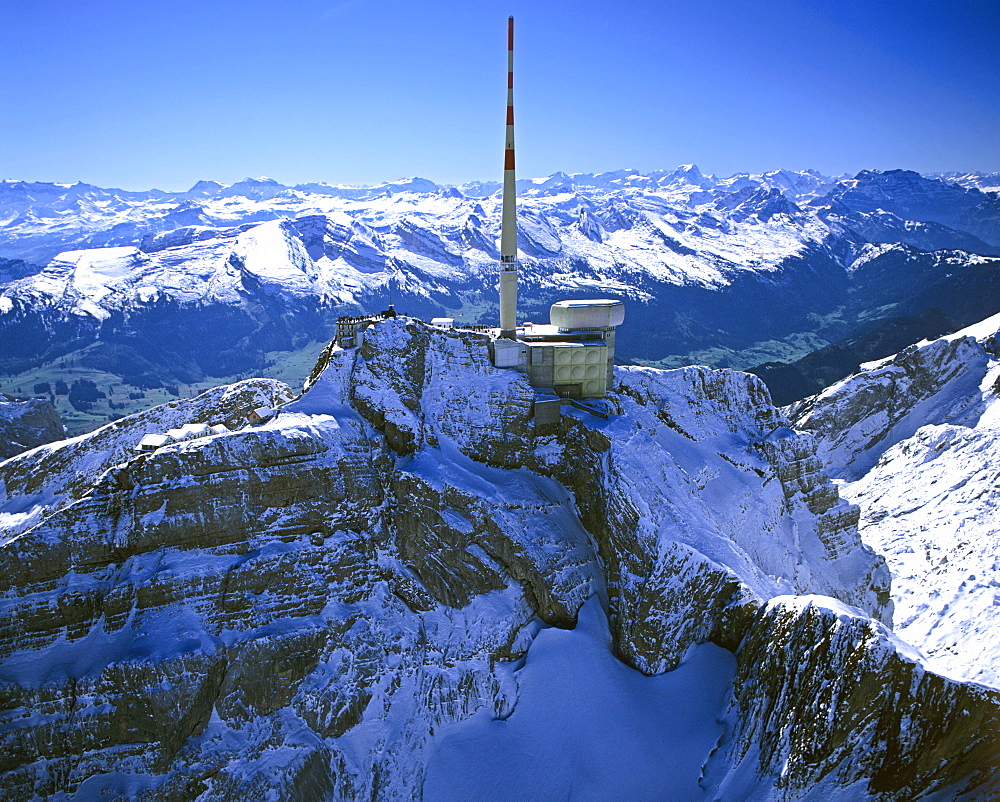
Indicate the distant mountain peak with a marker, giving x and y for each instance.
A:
(205, 187)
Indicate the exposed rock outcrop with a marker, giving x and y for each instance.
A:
(26, 424)
(826, 699)
(50, 477)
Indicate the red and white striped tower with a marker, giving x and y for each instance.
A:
(508, 218)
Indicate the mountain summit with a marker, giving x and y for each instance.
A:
(422, 566)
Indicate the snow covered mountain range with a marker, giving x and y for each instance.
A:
(728, 272)
(38, 220)
(439, 589)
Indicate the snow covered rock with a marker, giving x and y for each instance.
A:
(152, 590)
(917, 434)
(859, 418)
(48, 478)
(704, 503)
(326, 604)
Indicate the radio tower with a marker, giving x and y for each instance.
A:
(508, 219)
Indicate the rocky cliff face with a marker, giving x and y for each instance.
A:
(302, 609)
(831, 705)
(26, 424)
(918, 434)
(46, 479)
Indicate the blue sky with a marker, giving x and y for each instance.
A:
(155, 93)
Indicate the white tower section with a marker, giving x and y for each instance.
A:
(508, 219)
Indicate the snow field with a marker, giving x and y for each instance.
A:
(588, 727)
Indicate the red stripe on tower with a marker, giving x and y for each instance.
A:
(508, 214)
